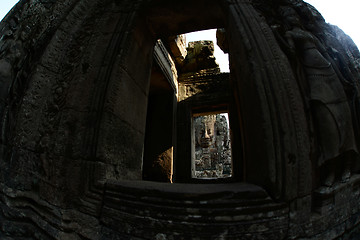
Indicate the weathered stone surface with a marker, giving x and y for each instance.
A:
(212, 147)
(74, 92)
(177, 46)
(200, 55)
(183, 210)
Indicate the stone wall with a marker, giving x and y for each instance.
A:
(74, 81)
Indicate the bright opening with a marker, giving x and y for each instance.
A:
(221, 58)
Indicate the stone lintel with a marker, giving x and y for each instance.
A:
(166, 64)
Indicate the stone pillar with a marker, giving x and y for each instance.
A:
(276, 144)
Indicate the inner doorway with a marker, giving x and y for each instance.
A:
(212, 147)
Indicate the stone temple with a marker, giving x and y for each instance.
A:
(99, 105)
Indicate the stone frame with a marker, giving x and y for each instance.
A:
(204, 92)
(118, 40)
(73, 83)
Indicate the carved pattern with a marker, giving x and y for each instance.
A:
(282, 151)
(60, 191)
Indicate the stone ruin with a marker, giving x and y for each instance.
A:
(96, 109)
(212, 147)
(200, 56)
(212, 155)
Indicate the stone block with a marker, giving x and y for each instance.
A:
(126, 100)
(120, 147)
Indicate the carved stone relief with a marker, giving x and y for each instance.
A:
(74, 89)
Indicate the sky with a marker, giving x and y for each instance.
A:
(5, 6)
(344, 13)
